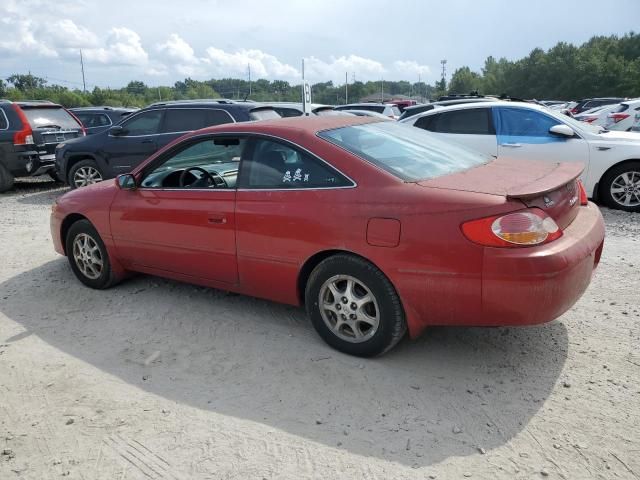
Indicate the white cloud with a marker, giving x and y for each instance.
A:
(408, 69)
(66, 34)
(176, 48)
(317, 70)
(122, 47)
(263, 65)
(18, 39)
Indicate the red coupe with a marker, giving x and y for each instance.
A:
(375, 227)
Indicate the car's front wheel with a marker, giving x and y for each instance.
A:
(88, 256)
(354, 307)
(620, 187)
(83, 173)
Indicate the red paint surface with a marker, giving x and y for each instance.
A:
(257, 242)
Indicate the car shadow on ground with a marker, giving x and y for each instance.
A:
(450, 393)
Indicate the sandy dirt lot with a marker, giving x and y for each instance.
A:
(160, 380)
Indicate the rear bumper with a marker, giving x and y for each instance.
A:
(29, 161)
(527, 286)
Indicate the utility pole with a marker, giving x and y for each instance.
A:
(382, 90)
(346, 87)
(444, 72)
(84, 85)
(249, 68)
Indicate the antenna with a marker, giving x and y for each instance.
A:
(249, 69)
(444, 70)
(84, 85)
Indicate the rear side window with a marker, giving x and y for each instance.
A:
(50, 117)
(523, 122)
(4, 123)
(473, 121)
(188, 119)
(146, 123)
(274, 165)
(91, 120)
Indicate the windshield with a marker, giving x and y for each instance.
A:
(50, 117)
(409, 153)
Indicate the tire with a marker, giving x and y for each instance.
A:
(620, 187)
(83, 235)
(6, 179)
(55, 177)
(356, 333)
(83, 173)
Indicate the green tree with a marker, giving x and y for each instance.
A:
(464, 80)
(26, 82)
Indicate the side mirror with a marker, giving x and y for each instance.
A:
(126, 181)
(562, 130)
(117, 130)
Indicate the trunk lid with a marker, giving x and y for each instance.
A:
(552, 187)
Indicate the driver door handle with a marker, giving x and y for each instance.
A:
(147, 141)
(217, 218)
(511, 145)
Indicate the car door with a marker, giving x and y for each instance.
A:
(471, 127)
(135, 142)
(523, 133)
(183, 227)
(279, 197)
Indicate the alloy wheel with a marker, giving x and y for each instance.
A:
(349, 308)
(86, 176)
(625, 189)
(87, 256)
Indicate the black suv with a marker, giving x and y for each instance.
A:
(120, 148)
(99, 119)
(29, 133)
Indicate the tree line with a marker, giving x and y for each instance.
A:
(602, 66)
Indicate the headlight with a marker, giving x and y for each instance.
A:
(61, 145)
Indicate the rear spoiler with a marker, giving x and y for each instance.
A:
(563, 174)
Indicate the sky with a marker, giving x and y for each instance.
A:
(162, 42)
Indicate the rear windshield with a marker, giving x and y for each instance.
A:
(53, 117)
(409, 153)
(263, 114)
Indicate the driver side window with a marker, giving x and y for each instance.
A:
(206, 164)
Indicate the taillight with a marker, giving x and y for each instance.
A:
(584, 200)
(618, 117)
(524, 228)
(24, 136)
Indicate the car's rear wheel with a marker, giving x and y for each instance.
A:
(354, 307)
(88, 256)
(6, 179)
(620, 187)
(83, 173)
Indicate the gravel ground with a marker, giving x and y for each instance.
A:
(162, 380)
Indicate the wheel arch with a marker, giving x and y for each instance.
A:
(66, 225)
(599, 183)
(76, 158)
(313, 261)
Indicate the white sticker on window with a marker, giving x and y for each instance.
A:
(306, 177)
(287, 177)
(297, 176)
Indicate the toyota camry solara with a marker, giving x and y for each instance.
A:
(375, 227)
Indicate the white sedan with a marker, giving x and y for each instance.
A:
(532, 132)
(624, 116)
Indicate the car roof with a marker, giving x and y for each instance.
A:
(366, 104)
(302, 125)
(467, 106)
(102, 109)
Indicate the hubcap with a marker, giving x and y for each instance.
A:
(625, 189)
(86, 176)
(87, 256)
(349, 308)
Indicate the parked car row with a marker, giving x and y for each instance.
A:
(623, 116)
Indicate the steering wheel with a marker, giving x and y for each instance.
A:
(210, 178)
